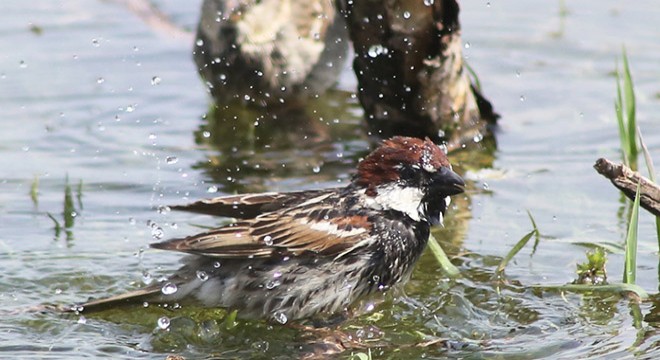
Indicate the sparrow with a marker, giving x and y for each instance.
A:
(313, 253)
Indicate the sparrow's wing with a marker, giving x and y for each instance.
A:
(248, 206)
(316, 229)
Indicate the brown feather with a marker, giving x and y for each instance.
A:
(246, 206)
(287, 234)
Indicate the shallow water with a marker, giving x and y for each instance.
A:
(89, 92)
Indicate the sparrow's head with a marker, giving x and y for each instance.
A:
(409, 175)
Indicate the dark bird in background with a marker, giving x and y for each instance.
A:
(312, 253)
(269, 52)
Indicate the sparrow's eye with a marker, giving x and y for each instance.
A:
(409, 173)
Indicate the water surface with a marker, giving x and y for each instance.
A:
(90, 93)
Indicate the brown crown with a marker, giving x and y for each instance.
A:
(381, 166)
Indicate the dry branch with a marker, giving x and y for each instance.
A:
(626, 180)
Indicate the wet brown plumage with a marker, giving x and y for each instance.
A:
(312, 253)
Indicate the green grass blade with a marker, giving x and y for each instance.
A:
(630, 266)
(361, 355)
(516, 248)
(537, 236)
(79, 194)
(618, 109)
(651, 169)
(34, 191)
(230, 320)
(629, 97)
(647, 156)
(580, 288)
(58, 227)
(607, 246)
(69, 209)
(473, 74)
(447, 267)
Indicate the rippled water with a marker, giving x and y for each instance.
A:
(92, 97)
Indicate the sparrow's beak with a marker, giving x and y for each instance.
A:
(447, 182)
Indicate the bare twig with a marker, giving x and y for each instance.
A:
(626, 180)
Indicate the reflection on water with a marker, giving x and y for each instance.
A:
(321, 141)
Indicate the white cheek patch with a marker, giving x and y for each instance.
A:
(393, 197)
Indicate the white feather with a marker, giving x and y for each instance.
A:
(394, 197)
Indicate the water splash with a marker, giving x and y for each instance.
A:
(169, 288)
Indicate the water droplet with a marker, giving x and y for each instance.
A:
(169, 288)
(100, 80)
(261, 345)
(155, 80)
(268, 240)
(216, 264)
(486, 186)
(406, 14)
(272, 284)
(316, 169)
(22, 64)
(206, 134)
(82, 320)
(522, 97)
(202, 275)
(428, 2)
(157, 233)
(467, 45)
(280, 317)
(212, 189)
(95, 43)
(171, 160)
(199, 42)
(376, 278)
(376, 50)
(147, 278)
(164, 322)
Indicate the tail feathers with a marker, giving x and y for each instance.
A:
(151, 293)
